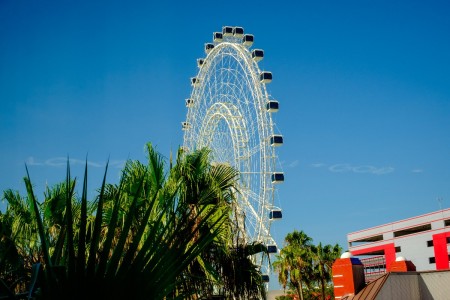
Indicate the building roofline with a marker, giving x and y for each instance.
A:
(372, 289)
(403, 220)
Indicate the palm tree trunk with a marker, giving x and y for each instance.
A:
(322, 283)
(300, 290)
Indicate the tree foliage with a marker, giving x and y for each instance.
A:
(304, 269)
(157, 234)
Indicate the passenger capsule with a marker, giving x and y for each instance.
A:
(185, 125)
(275, 214)
(276, 140)
(271, 248)
(189, 102)
(200, 62)
(227, 30)
(277, 178)
(247, 40)
(208, 47)
(195, 81)
(272, 106)
(238, 32)
(265, 77)
(217, 37)
(257, 54)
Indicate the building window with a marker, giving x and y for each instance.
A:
(398, 249)
(430, 243)
(366, 240)
(412, 230)
(448, 240)
(447, 222)
(432, 260)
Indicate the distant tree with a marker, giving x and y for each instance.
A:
(281, 266)
(323, 258)
(304, 267)
(293, 261)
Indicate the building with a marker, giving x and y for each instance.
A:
(424, 240)
(400, 282)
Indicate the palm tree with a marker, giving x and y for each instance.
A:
(323, 257)
(19, 246)
(281, 266)
(226, 266)
(141, 238)
(294, 260)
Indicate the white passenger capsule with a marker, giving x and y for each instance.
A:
(277, 178)
(247, 40)
(208, 47)
(238, 32)
(217, 37)
(265, 77)
(272, 106)
(227, 31)
(276, 140)
(257, 54)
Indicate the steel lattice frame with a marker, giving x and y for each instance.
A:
(227, 113)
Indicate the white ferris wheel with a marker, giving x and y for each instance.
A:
(230, 112)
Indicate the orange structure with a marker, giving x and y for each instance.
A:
(348, 276)
(402, 265)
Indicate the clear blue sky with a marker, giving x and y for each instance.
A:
(364, 91)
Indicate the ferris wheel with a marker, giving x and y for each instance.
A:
(230, 112)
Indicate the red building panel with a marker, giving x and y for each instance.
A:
(389, 252)
(441, 250)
